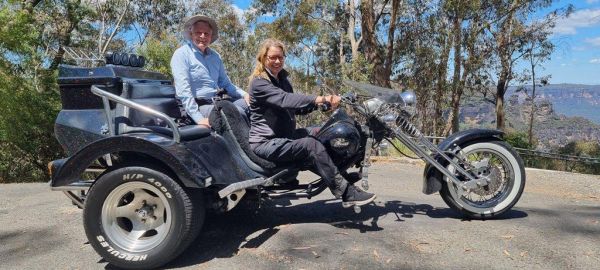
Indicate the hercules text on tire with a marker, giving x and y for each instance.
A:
(139, 218)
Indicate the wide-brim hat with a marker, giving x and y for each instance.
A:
(190, 21)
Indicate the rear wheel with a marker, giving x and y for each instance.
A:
(497, 162)
(139, 218)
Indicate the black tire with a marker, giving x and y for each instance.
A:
(508, 195)
(140, 218)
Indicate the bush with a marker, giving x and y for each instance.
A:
(518, 140)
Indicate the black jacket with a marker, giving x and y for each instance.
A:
(273, 106)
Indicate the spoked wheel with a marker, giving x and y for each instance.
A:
(499, 164)
(139, 218)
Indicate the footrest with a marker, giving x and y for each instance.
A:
(241, 185)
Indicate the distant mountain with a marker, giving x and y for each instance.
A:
(569, 99)
(564, 113)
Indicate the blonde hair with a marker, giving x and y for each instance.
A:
(261, 59)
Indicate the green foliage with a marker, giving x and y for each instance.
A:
(158, 51)
(581, 148)
(324, 38)
(399, 149)
(586, 149)
(518, 140)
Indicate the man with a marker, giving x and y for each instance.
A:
(198, 71)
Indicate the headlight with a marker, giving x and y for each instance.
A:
(409, 98)
(373, 105)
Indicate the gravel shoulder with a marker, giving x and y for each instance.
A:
(555, 225)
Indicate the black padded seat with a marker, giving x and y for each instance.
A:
(155, 95)
(240, 131)
(187, 133)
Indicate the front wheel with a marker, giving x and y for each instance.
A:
(140, 218)
(497, 162)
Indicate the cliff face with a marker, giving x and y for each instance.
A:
(552, 128)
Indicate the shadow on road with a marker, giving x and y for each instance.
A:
(223, 235)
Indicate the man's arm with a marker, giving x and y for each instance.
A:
(181, 76)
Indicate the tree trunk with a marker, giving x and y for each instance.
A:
(441, 85)
(504, 43)
(65, 39)
(452, 125)
(500, 90)
(531, 117)
(354, 43)
(341, 56)
(372, 52)
(390, 43)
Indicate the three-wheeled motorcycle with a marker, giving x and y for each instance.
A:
(144, 177)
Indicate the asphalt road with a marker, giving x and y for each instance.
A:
(556, 225)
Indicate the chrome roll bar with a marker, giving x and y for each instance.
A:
(106, 96)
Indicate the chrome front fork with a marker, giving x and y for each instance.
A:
(427, 150)
(365, 164)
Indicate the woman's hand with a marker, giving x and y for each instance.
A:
(334, 100)
(247, 99)
(204, 122)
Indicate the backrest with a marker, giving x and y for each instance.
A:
(154, 94)
(239, 127)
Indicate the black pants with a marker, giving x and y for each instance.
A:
(306, 149)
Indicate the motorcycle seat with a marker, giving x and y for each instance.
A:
(160, 96)
(187, 133)
(154, 94)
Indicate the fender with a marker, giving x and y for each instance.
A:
(189, 171)
(433, 178)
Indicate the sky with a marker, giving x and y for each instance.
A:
(576, 58)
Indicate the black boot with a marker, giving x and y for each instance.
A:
(352, 177)
(355, 196)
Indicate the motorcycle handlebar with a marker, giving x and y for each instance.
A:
(325, 106)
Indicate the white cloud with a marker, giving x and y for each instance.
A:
(591, 1)
(579, 19)
(595, 61)
(593, 41)
(238, 11)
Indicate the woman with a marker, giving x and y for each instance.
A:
(273, 134)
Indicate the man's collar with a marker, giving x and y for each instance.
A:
(195, 48)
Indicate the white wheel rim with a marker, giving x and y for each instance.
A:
(136, 217)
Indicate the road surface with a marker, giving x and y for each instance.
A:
(555, 225)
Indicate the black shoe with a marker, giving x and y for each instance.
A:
(355, 196)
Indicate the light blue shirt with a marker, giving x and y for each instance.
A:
(198, 76)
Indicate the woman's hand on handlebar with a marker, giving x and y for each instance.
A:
(333, 100)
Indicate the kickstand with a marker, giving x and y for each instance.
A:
(259, 191)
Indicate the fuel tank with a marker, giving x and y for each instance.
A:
(340, 136)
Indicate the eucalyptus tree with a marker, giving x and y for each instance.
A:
(537, 49)
(507, 24)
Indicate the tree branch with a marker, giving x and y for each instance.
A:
(117, 26)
